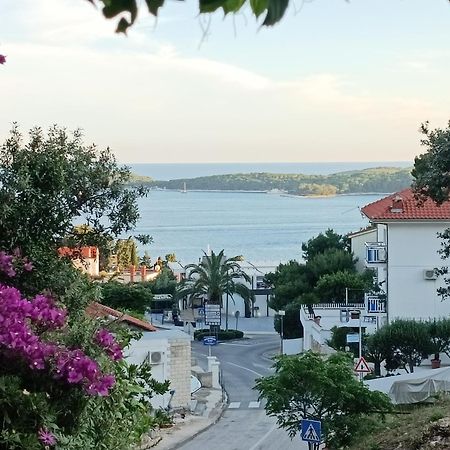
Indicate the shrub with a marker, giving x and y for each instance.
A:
(132, 297)
(222, 335)
(63, 382)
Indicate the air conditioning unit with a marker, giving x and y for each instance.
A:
(154, 358)
(429, 274)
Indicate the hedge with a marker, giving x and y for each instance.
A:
(222, 335)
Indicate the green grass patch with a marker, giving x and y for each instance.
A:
(410, 429)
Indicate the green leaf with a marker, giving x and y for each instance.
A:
(259, 6)
(207, 6)
(116, 7)
(232, 6)
(123, 25)
(275, 11)
(154, 5)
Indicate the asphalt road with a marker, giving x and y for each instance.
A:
(244, 425)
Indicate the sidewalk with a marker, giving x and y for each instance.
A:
(186, 429)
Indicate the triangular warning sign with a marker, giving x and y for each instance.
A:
(362, 366)
(311, 434)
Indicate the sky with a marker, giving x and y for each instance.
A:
(333, 81)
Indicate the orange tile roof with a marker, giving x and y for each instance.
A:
(403, 206)
(97, 310)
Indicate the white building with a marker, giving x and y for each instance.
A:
(405, 254)
(261, 291)
(401, 245)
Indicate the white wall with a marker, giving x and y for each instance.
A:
(259, 270)
(412, 247)
(175, 365)
(358, 247)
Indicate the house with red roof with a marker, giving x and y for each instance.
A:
(401, 245)
(405, 255)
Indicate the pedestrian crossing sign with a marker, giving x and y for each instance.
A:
(311, 430)
(362, 366)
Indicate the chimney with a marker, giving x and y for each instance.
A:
(397, 204)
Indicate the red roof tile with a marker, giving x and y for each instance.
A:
(403, 206)
(97, 310)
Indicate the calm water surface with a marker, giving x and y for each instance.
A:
(261, 227)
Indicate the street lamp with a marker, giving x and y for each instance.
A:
(281, 313)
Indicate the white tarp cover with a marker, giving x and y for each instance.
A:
(413, 387)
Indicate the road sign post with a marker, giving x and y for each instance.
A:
(209, 341)
(362, 367)
(311, 432)
(212, 315)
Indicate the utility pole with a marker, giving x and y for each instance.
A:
(281, 313)
(226, 307)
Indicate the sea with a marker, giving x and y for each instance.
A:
(266, 229)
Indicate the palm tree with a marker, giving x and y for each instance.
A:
(215, 276)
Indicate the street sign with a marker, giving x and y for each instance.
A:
(212, 315)
(362, 366)
(352, 338)
(209, 340)
(311, 430)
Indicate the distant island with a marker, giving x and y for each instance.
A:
(374, 180)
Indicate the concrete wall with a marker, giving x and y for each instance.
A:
(175, 364)
(292, 346)
(412, 248)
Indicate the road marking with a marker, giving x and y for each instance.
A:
(234, 405)
(263, 438)
(254, 404)
(245, 368)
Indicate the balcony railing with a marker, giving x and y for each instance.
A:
(375, 304)
(376, 252)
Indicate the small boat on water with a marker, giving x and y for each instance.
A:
(184, 191)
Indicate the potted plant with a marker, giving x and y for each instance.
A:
(439, 331)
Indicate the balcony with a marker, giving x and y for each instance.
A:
(376, 253)
(375, 304)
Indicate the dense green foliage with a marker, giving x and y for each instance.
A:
(127, 253)
(431, 169)
(137, 298)
(309, 386)
(382, 179)
(164, 283)
(45, 185)
(215, 276)
(329, 269)
(323, 242)
(131, 297)
(51, 181)
(126, 11)
(407, 342)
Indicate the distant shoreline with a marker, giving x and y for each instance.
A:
(227, 191)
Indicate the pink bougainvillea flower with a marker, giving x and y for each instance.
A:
(46, 437)
(28, 266)
(2, 59)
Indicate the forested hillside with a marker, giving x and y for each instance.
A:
(380, 180)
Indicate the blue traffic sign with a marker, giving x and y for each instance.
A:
(209, 340)
(311, 430)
